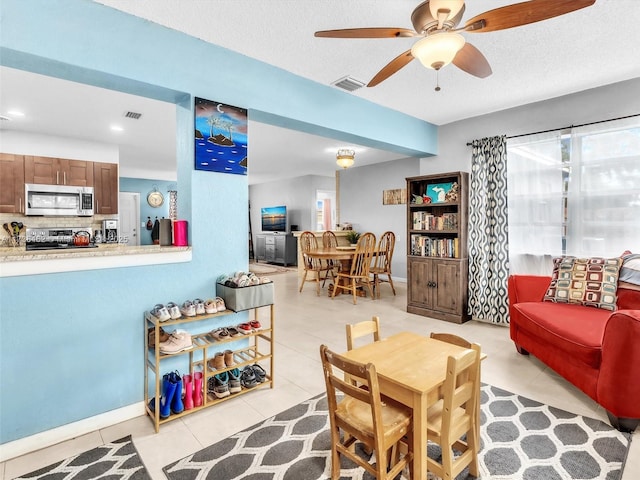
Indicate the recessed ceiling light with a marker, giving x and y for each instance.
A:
(117, 128)
(16, 113)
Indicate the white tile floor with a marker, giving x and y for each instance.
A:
(303, 322)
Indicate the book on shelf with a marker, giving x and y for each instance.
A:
(424, 246)
(428, 221)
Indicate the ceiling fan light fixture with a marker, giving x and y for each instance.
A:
(345, 157)
(438, 49)
(451, 6)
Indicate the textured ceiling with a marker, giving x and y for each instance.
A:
(588, 48)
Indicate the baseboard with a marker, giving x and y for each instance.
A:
(47, 438)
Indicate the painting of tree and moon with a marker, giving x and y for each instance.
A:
(220, 137)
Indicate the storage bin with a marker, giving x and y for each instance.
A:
(245, 298)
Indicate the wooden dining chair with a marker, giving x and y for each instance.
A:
(309, 242)
(361, 329)
(358, 276)
(453, 418)
(382, 262)
(364, 415)
(329, 240)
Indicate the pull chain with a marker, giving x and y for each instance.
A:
(437, 82)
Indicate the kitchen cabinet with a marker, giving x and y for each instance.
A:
(276, 248)
(58, 171)
(105, 176)
(254, 347)
(11, 183)
(437, 258)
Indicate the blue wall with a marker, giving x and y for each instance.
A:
(71, 344)
(144, 187)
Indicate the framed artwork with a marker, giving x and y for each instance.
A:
(438, 191)
(220, 137)
(397, 196)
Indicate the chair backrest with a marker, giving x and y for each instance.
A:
(329, 239)
(460, 390)
(308, 242)
(451, 338)
(385, 251)
(363, 254)
(360, 329)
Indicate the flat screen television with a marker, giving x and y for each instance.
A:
(274, 219)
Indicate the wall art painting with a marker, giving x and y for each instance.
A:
(438, 192)
(396, 196)
(220, 137)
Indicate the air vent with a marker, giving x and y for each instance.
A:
(133, 115)
(348, 83)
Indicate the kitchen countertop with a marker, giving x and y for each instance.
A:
(17, 261)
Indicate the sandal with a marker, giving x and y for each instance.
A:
(233, 332)
(255, 324)
(220, 333)
(259, 373)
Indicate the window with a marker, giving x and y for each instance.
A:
(573, 192)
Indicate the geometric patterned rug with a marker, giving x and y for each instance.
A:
(520, 439)
(118, 460)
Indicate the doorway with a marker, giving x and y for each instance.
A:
(325, 213)
(129, 208)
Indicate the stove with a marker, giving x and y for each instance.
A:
(56, 238)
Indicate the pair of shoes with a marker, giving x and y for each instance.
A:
(174, 311)
(220, 333)
(234, 332)
(259, 372)
(188, 309)
(221, 360)
(220, 306)
(248, 377)
(151, 335)
(219, 385)
(178, 341)
(158, 313)
(249, 327)
(210, 306)
(199, 306)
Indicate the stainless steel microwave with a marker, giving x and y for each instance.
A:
(60, 200)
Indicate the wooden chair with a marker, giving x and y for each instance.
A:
(358, 276)
(366, 416)
(382, 262)
(454, 416)
(329, 240)
(461, 342)
(360, 329)
(309, 242)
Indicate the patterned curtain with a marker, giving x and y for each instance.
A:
(488, 240)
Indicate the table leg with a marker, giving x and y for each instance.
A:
(420, 437)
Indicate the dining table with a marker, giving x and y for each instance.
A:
(411, 369)
(343, 254)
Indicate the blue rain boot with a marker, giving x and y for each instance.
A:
(177, 406)
(168, 392)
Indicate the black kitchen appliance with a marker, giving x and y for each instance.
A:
(54, 238)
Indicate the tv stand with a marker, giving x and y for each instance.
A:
(276, 248)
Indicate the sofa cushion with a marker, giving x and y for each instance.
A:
(591, 282)
(574, 329)
(630, 269)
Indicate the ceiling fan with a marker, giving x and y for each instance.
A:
(436, 21)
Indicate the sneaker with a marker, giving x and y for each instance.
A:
(220, 306)
(159, 313)
(178, 341)
(210, 306)
(245, 328)
(174, 311)
(259, 373)
(188, 309)
(234, 381)
(248, 378)
(220, 333)
(221, 385)
(255, 325)
(199, 304)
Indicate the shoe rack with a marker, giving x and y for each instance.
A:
(250, 348)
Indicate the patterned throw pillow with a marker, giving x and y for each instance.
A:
(591, 282)
(630, 269)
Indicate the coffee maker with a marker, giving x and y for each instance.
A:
(110, 231)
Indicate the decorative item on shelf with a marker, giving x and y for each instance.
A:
(452, 194)
(438, 192)
(155, 199)
(352, 237)
(173, 205)
(345, 157)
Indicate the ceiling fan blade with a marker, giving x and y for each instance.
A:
(392, 67)
(374, 32)
(522, 14)
(472, 61)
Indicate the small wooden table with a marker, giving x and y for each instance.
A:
(411, 369)
(343, 254)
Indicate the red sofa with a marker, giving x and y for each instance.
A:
(595, 349)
